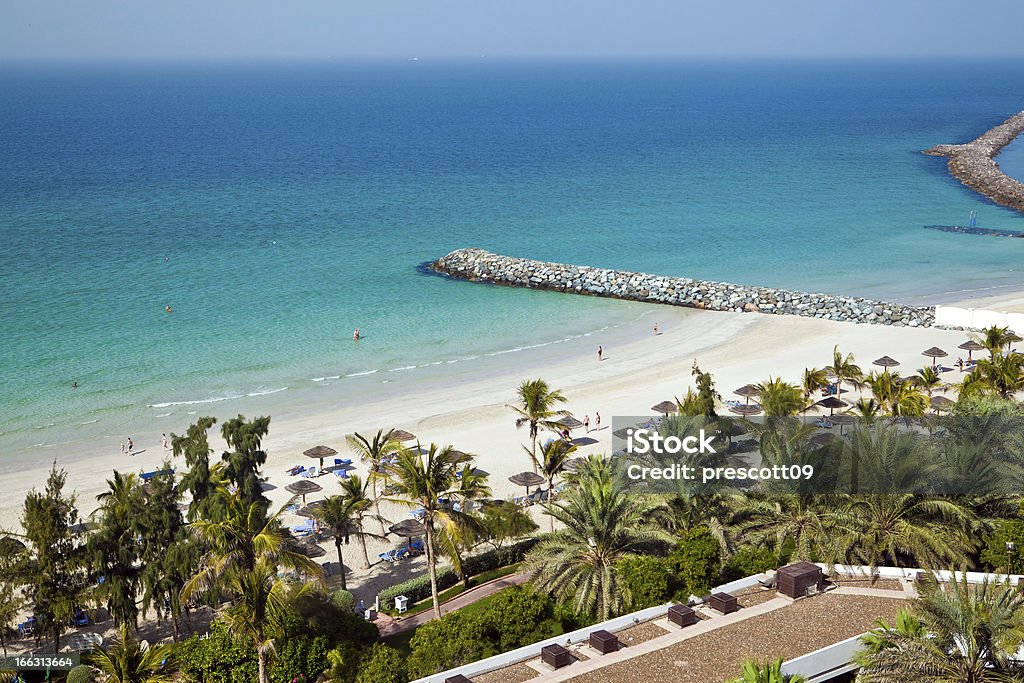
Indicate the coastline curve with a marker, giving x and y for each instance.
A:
(974, 164)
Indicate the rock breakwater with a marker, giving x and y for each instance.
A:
(974, 163)
(483, 266)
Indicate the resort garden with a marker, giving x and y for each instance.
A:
(202, 564)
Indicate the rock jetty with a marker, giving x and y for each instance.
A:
(974, 163)
(483, 266)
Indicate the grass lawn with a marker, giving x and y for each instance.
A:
(459, 589)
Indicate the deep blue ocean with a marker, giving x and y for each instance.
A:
(275, 207)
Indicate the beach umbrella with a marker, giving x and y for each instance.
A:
(665, 407)
(746, 410)
(401, 435)
(573, 465)
(310, 550)
(570, 422)
(842, 420)
(319, 453)
(940, 403)
(832, 403)
(970, 346)
(746, 391)
(622, 433)
(527, 479)
(303, 487)
(312, 511)
(934, 353)
(886, 362)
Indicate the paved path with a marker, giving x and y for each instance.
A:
(389, 626)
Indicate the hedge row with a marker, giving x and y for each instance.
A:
(419, 588)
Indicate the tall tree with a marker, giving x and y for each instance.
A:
(421, 479)
(54, 572)
(12, 555)
(343, 517)
(554, 454)
(247, 552)
(700, 403)
(169, 554)
(814, 379)
(844, 369)
(115, 548)
(242, 464)
(537, 409)
(202, 479)
(382, 447)
(779, 398)
(604, 523)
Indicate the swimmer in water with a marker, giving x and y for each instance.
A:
(355, 335)
(74, 385)
(167, 308)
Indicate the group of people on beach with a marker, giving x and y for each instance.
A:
(128, 447)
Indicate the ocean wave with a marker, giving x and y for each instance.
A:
(361, 374)
(266, 392)
(504, 351)
(171, 404)
(324, 379)
(90, 422)
(164, 414)
(427, 365)
(404, 367)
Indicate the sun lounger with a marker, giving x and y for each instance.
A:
(313, 471)
(389, 556)
(341, 474)
(402, 554)
(417, 546)
(297, 469)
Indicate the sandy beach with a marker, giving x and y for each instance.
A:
(473, 416)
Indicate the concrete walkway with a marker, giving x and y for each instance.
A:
(389, 626)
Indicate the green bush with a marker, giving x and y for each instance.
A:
(299, 656)
(517, 616)
(382, 664)
(650, 580)
(343, 600)
(445, 643)
(993, 551)
(80, 674)
(698, 562)
(416, 589)
(747, 562)
(219, 658)
(497, 558)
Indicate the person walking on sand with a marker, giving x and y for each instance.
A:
(122, 448)
(655, 329)
(600, 353)
(163, 442)
(131, 446)
(597, 420)
(586, 422)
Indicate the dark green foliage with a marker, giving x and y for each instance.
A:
(517, 616)
(497, 558)
(200, 480)
(445, 643)
(382, 664)
(80, 674)
(114, 549)
(299, 655)
(220, 658)
(506, 522)
(701, 402)
(993, 552)
(53, 573)
(747, 562)
(650, 580)
(343, 600)
(242, 464)
(697, 559)
(316, 614)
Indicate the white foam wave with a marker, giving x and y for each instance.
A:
(267, 392)
(361, 374)
(427, 365)
(404, 367)
(171, 404)
(164, 414)
(90, 422)
(324, 379)
(503, 352)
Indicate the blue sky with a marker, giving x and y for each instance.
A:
(316, 29)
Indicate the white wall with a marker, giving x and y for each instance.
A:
(977, 318)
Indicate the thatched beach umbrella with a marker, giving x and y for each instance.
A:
(746, 391)
(310, 550)
(746, 410)
(886, 362)
(940, 403)
(302, 487)
(570, 422)
(622, 433)
(527, 479)
(970, 346)
(573, 465)
(319, 453)
(843, 419)
(665, 407)
(401, 435)
(312, 511)
(832, 403)
(934, 353)
(408, 528)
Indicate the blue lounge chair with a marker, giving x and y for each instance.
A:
(341, 474)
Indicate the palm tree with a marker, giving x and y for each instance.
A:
(421, 479)
(536, 409)
(342, 516)
(374, 452)
(994, 338)
(554, 454)
(247, 551)
(813, 380)
(354, 489)
(844, 369)
(964, 634)
(778, 520)
(115, 546)
(604, 523)
(779, 398)
(1000, 375)
(866, 407)
(771, 672)
(929, 380)
(903, 529)
(128, 660)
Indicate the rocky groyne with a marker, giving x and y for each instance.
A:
(483, 266)
(974, 163)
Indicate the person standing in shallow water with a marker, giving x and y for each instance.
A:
(356, 335)
(600, 353)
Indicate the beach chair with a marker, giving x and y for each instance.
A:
(417, 546)
(341, 474)
(402, 554)
(389, 556)
(313, 471)
(418, 513)
(297, 469)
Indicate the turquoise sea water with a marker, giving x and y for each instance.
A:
(277, 207)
